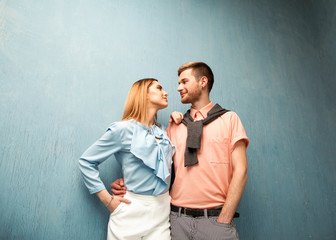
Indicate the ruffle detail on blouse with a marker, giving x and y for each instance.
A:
(145, 147)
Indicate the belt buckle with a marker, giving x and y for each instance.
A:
(185, 211)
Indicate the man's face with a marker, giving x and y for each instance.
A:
(189, 88)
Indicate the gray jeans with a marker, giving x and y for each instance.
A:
(200, 228)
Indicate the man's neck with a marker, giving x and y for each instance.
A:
(200, 103)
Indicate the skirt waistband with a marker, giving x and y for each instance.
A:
(147, 197)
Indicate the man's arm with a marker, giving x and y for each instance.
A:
(118, 188)
(238, 182)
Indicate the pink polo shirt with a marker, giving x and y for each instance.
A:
(206, 184)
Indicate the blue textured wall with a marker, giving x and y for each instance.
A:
(65, 70)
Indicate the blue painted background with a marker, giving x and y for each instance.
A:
(66, 68)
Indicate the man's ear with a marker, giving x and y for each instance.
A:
(204, 82)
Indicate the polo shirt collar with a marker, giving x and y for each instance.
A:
(203, 111)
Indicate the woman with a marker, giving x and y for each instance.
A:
(144, 152)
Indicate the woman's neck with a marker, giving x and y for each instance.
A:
(149, 120)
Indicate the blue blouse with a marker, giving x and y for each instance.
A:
(145, 161)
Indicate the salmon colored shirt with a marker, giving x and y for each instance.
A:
(206, 184)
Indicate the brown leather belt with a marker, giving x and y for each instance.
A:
(193, 212)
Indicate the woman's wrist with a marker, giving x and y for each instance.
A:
(109, 202)
(104, 196)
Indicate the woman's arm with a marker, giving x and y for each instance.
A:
(176, 117)
(111, 202)
(97, 153)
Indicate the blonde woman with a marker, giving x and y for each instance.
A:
(145, 153)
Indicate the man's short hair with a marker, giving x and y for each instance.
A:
(199, 69)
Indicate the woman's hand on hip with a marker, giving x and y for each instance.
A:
(115, 202)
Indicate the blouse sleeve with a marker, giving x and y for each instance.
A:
(97, 153)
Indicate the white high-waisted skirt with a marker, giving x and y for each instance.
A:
(146, 217)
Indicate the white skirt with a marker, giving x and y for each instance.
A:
(146, 217)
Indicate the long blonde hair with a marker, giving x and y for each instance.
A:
(136, 101)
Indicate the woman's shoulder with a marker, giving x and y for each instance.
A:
(160, 128)
(122, 126)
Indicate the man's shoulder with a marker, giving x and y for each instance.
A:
(228, 116)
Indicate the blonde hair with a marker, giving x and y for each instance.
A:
(136, 101)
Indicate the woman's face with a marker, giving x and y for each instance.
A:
(156, 96)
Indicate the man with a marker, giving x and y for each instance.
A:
(218, 179)
(210, 161)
